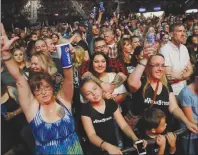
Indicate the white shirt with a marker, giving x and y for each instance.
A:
(177, 59)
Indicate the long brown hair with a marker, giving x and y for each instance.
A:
(122, 43)
(163, 79)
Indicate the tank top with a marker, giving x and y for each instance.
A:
(55, 138)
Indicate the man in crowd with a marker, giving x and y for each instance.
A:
(177, 60)
(78, 40)
(109, 38)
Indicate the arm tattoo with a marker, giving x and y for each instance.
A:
(118, 80)
(91, 76)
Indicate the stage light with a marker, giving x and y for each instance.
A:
(192, 11)
(142, 9)
(157, 8)
(56, 14)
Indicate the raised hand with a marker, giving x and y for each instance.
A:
(5, 42)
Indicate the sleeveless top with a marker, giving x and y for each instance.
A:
(55, 138)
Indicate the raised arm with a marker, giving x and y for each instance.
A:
(67, 90)
(99, 17)
(26, 98)
(134, 80)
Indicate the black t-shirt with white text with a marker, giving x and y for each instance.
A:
(141, 103)
(103, 123)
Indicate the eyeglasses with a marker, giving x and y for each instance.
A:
(157, 65)
(40, 90)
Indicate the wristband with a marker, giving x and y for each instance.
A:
(101, 143)
(142, 64)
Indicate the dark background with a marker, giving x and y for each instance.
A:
(13, 13)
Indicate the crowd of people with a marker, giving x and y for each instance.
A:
(132, 78)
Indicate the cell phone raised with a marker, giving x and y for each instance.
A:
(140, 149)
(102, 6)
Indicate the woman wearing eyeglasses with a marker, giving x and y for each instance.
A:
(49, 116)
(154, 90)
(42, 62)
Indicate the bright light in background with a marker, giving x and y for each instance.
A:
(149, 14)
(191, 11)
(157, 8)
(27, 4)
(142, 9)
(56, 14)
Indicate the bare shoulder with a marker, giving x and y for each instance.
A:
(63, 101)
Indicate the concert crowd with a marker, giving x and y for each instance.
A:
(126, 84)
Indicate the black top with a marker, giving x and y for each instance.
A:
(140, 102)
(193, 55)
(129, 66)
(10, 105)
(103, 123)
(58, 65)
(83, 44)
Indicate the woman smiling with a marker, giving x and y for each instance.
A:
(49, 116)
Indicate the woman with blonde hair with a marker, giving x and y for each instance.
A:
(49, 116)
(42, 62)
(153, 90)
(78, 59)
(20, 59)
